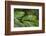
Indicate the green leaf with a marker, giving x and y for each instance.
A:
(19, 14)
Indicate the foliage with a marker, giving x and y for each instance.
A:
(26, 17)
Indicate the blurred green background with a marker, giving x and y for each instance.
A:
(26, 17)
